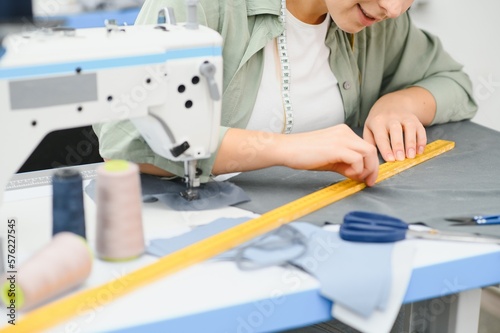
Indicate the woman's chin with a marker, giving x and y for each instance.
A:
(350, 28)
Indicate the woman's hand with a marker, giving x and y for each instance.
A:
(396, 123)
(335, 148)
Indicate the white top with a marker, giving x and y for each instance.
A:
(314, 90)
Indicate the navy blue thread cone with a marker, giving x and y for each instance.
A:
(67, 202)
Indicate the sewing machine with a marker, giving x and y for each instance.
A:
(166, 78)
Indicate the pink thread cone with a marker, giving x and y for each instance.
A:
(61, 265)
(120, 234)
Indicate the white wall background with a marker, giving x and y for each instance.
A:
(43, 8)
(470, 32)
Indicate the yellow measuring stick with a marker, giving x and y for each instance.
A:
(62, 310)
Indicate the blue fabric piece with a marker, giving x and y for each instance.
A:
(2, 51)
(213, 194)
(252, 257)
(164, 246)
(277, 247)
(356, 275)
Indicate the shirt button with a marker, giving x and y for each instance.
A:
(347, 85)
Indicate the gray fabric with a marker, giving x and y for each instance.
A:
(463, 181)
(213, 194)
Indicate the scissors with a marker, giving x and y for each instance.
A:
(360, 226)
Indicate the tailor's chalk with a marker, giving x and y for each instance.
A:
(67, 202)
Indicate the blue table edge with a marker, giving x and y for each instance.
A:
(307, 307)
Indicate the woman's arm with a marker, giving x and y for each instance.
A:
(335, 148)
(422, 85)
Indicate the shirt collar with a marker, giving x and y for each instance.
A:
(273, 7)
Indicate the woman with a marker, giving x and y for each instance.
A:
(352, 63)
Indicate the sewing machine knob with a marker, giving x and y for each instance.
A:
(208, 69)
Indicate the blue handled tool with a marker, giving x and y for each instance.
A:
(362, 226)
(475, 220)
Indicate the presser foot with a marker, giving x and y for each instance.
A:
(190, 194)
(191, 180)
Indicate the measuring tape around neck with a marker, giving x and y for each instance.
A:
(285, 73)
(66, 308)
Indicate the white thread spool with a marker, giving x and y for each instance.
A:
(61, 265)
(120, 234)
